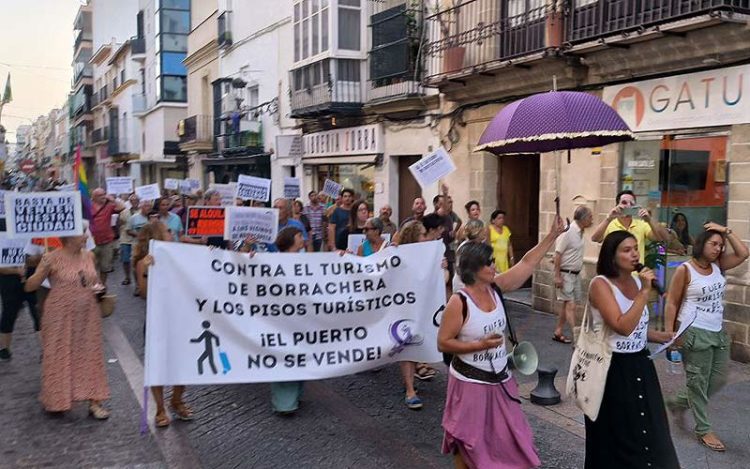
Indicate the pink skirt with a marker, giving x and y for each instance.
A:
(487, 427)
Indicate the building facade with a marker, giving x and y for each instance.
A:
(79, 109)
(669, 69)
(196, 132)
(162, 28)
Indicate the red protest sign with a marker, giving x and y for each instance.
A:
(205, 221)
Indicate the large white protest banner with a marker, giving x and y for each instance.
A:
(332, 188)
(354, 241)
(43, 214)
(288, 317)
(171, 184)
(432, 167)
(12, 251)
(2, 204)
(241, 222)
(119, 185)
(148, 192)
(291, 188)
(227, 192)
(253, 188)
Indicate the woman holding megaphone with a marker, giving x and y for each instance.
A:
(483, 421)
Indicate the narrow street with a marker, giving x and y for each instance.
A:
(354, 421)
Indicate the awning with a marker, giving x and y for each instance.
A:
(234, 161)
(358, 159)
(148, 162)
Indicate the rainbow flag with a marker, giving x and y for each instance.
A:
(82, 183)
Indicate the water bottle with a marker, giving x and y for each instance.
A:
(675, 362)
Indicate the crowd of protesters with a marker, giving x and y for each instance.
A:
(484, 425)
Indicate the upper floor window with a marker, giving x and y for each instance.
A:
(350, 24)
(176, 4)
(310, 28)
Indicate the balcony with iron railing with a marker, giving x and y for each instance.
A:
(588, 20)
(83, 36)
(379, 92)
(196, 133)
(100, 135)
(476, 35)
(139, 103)
(137, 46)
(242, 142)
(395, 62)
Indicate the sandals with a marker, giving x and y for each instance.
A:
(714, 445)
(161, 420)
(424, 372)
(561, 338)
(182, 411)
(98, 412)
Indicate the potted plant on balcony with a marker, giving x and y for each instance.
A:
(449, 19)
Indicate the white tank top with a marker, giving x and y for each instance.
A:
(704, 295)
(480, 324)
(637, 340)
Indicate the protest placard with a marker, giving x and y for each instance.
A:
(119, 185)
(2, 204)
(253, 188)
(291, 188)
(43, 214)
(285, 317)
(189, 186)
(432, 167)
(262, 223)
(148, 192)
(205, 221)
(12, 251)
(66, 188)
(332, 188)
(227, 192)
(354, 241)
(171, 184)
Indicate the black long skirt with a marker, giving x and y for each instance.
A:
(631, 431)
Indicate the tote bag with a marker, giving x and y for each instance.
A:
(589, 366)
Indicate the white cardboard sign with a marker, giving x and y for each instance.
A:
(262, 223)
(43, 214)
(12, 251)
(332, 189)
(119, 185)
(171, 184)
(253, 188)
(148, 192)
(432, 167)
(291, 188)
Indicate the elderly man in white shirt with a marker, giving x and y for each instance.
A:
(568, 265)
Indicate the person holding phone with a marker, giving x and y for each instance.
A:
(698, 286)
(636, 220)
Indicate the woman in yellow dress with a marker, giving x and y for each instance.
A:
(498, 237)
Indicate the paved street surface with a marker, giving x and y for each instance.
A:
(355, 421)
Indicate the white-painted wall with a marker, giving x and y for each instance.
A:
(262, 55)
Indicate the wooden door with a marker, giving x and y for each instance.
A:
(518, 195)
(408, 188)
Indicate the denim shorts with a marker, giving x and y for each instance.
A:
(126, 252)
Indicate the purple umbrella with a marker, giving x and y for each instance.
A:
(556, 120)
(552, 121)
